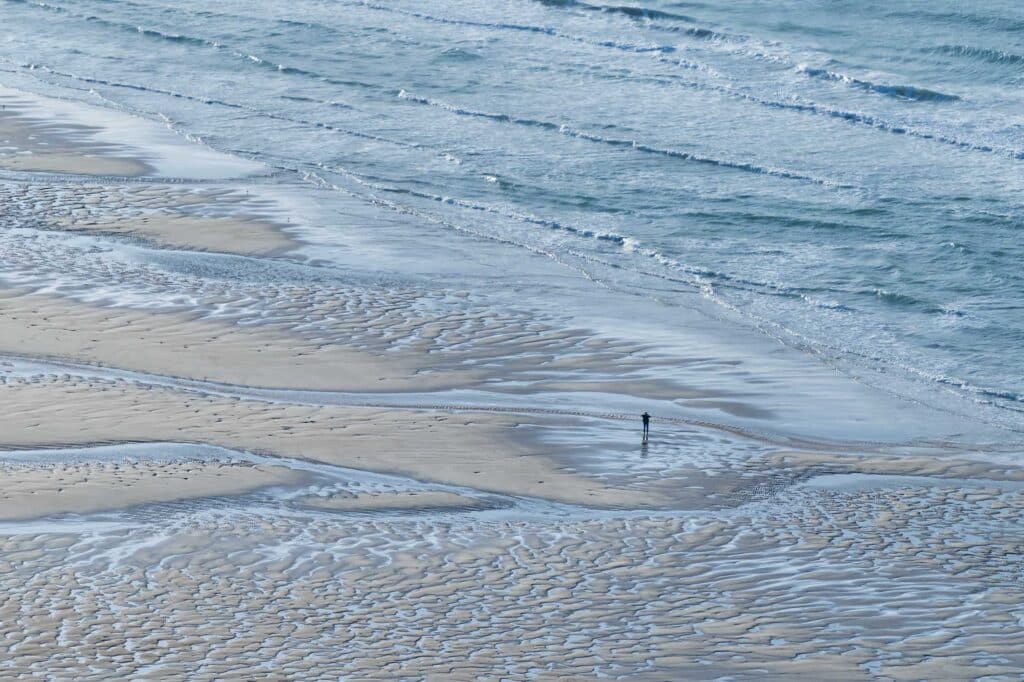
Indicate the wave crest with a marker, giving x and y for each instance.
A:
(904, 92)
(616, 142)
(980, 54)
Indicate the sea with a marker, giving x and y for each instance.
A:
(814, 207)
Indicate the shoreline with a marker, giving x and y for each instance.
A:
(269, 355)
(424, 540)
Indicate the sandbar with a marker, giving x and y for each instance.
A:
(249, 237)
(488, 452)
(31, 491)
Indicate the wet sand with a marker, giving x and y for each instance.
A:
(818, 584)
(28, 144)
(315, 538)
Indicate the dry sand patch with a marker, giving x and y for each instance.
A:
(197, 233)
(488, 452)
(32, 491)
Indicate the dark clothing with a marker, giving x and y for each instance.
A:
(647, 423)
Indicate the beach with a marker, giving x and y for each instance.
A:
(244, 439)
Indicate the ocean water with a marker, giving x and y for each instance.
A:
(841, 180)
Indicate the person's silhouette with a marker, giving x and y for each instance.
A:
(647, 423)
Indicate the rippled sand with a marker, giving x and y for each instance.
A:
(235, 467)
(906, 583)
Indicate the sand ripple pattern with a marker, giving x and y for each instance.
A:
(321, 305)
(905, 582)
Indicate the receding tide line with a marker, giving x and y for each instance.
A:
(27, 366)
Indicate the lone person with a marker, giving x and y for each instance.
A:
(647, 424)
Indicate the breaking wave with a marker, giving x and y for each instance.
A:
(904, 92)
